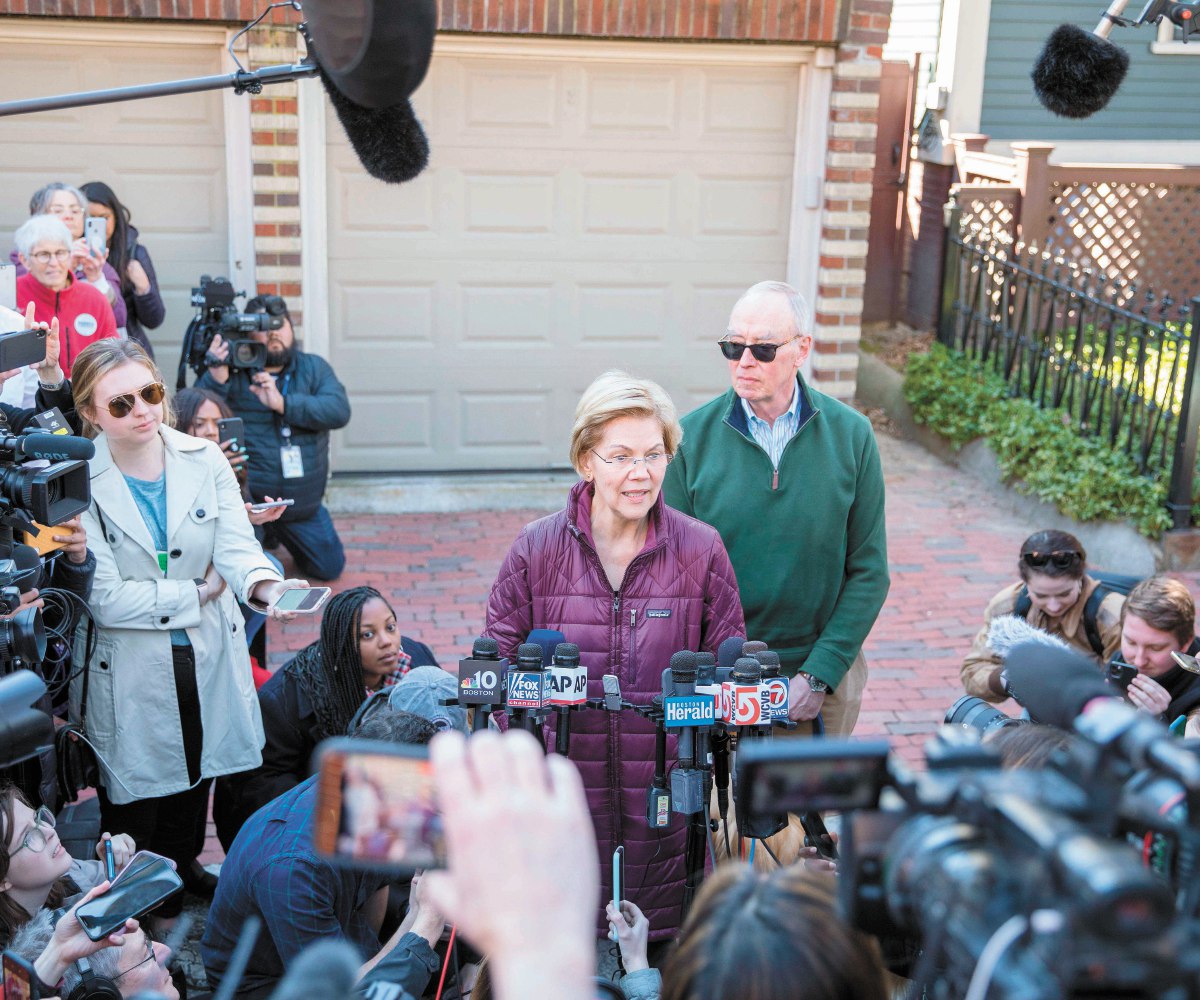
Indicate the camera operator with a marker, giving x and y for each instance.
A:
(1158, 619)
(289, 409)
(273, 872)
(1055, 594)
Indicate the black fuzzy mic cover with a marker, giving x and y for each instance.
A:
(1078, 72)
(389, 142)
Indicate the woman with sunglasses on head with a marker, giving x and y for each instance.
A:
(630, 581)
(1054, 594)
(169, 699)
(36, 871)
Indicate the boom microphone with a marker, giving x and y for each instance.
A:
(1054, 684)
(1078, 71)
(1009, 631)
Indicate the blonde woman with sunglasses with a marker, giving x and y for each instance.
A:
(168, 701)
(1055, 594)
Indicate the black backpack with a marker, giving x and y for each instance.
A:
(1110, 583)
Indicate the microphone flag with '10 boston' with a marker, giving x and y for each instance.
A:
(480, 680)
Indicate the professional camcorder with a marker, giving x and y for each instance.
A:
(1079, 880)
(216, 313)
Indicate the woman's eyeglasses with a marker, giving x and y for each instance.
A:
(655, 460)
(35, 839)
(1059, 560)
(122, 405)
(765, 353)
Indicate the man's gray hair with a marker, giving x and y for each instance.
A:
(39, 204)
(801, 312)
(34, 938)
(41, 229)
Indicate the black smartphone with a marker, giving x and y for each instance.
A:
(231, 429)
(139, 887)
(1119, 674)
(816, 835)
(376, 806)
(811, 775)
(25, 347)
(20, 981)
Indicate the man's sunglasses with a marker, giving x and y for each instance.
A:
(1059, 560)
(765, 353)
(122, 405)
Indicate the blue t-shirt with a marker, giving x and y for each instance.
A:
(151, 500)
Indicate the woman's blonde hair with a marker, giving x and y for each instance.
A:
(97, 360)
(618, 394)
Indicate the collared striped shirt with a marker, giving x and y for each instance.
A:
(774, 438)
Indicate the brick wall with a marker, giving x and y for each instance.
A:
(275, 154)
(849, 163)
(734, 20)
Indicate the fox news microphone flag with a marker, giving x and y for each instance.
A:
(372, 56)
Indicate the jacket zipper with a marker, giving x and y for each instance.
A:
(614, 783)
(755, 444)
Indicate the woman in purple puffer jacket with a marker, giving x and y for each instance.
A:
(630, 581)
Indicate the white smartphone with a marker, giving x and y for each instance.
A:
(258, 508)
(302, 600)
(95, 231)
(618, 879)
(8, 286)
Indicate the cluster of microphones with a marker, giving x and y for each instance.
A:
(707, 702)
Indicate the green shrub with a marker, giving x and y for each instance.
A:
(1037, 449)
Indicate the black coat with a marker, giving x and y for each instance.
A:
(315, 404)
(142, 312)
(292, 733)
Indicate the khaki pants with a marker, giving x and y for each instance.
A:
(840, 711)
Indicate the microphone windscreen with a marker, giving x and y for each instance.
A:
(729, 651)
(1078, 72)
(528, 652)
(376, 52)
(57, 447)
(753, 646)
(389, 142)
(1009, 631)
(1054, 684)
(485, 648)
(326, 970)
(683, 661)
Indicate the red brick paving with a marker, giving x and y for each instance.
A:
(951, 546)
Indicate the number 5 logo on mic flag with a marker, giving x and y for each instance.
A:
(747, 705)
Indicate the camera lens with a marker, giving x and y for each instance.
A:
(975, 713)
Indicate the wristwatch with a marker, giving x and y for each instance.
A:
(816, 684)
(201, 587)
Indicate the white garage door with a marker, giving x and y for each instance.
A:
(587, 207)
(165, 157)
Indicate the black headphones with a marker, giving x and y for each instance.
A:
(92, 986)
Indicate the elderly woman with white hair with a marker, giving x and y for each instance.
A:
(630, 581)
(84, 315)
(70, 204)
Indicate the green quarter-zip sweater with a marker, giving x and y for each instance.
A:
(807, 540)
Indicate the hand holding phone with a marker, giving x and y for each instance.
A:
(95, 233)
(302, 600)
(258, 508)
(618, 882)
(146, 881)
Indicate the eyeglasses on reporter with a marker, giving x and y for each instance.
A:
(45, 256)
(654, 460)
(763, 353)
(35, 840)
(122, 405)
(1059, 559)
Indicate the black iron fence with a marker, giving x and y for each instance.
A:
(1117, 359)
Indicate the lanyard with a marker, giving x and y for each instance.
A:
(285, 430)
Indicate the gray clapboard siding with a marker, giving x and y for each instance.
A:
(1149, 106)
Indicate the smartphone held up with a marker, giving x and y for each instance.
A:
(376, 807)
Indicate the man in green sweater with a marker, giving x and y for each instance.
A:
(791, 479)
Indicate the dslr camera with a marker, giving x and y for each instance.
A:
(216, 313)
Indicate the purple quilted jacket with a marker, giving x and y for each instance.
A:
(678, 593)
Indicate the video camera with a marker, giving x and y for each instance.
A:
(216, 313)
(1013, 883)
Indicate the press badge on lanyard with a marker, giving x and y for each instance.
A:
(291, 461)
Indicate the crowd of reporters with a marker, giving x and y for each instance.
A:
(169, 558)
